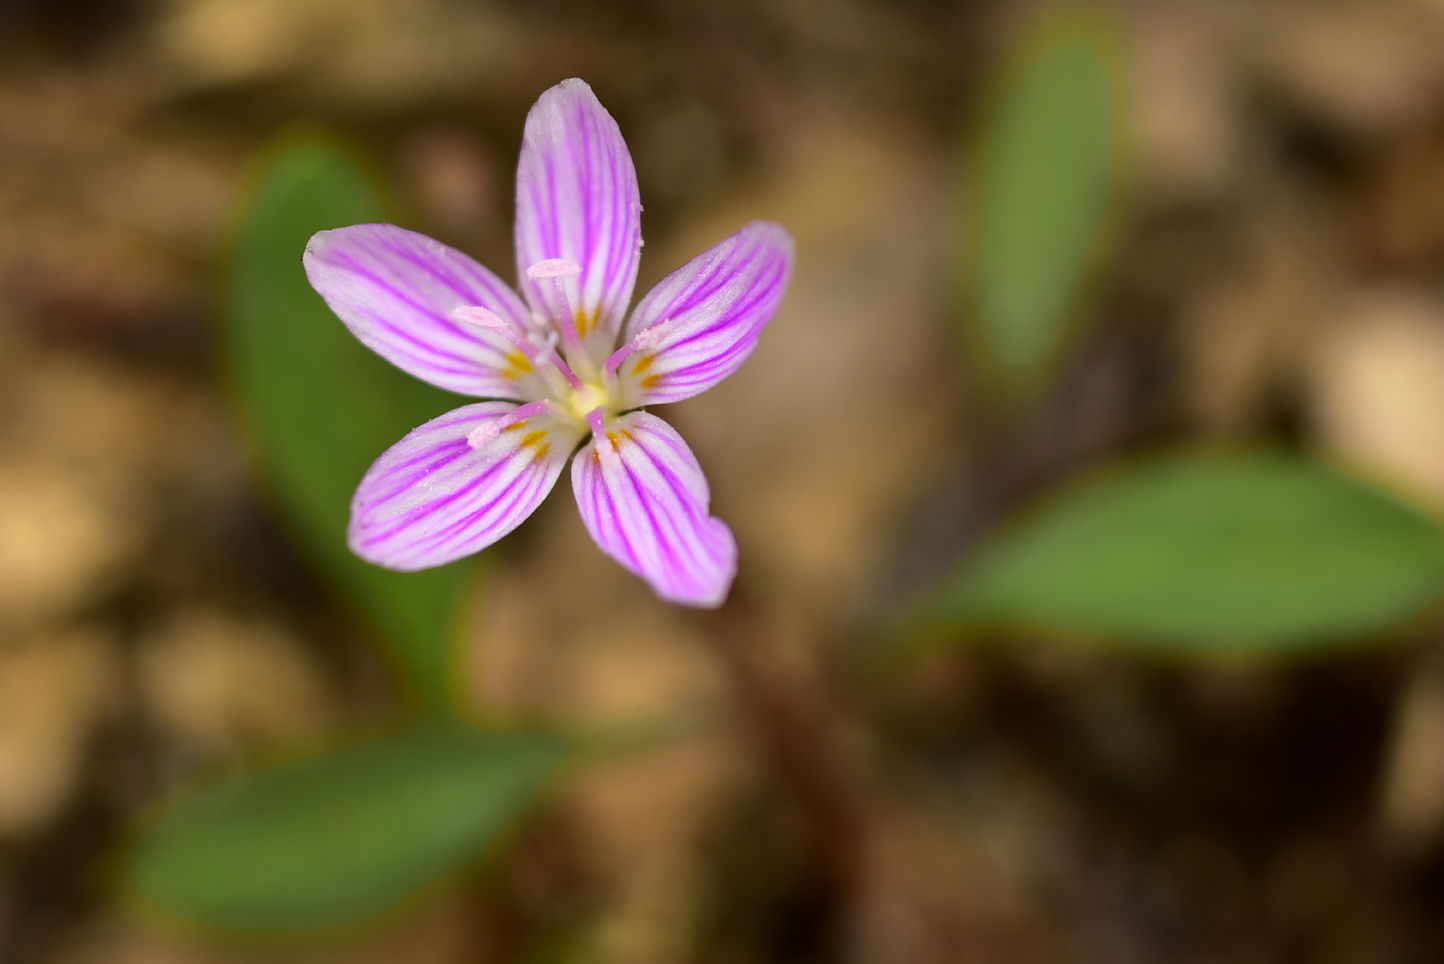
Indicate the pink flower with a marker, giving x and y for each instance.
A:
(554, 366)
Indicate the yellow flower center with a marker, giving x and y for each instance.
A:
(578, 402)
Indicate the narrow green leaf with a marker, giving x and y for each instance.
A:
(1258, 551)
(322, 407)
(330, 840)
(1048, 169)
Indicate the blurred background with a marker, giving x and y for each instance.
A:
(1275, 272)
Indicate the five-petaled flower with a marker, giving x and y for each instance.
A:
(554, 365)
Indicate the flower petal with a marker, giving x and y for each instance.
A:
(703, 320)
(577, 200)
(644, 500)
(436, 496)
(395, 289)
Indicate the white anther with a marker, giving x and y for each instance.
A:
(478, 437)
(553, 268)
(652, 337)
(479, 317)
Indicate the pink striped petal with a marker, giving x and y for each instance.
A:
(396, 290)
(577, 201)
(703, 320)
(644, 500)
(458, 483)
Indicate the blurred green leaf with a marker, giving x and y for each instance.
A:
(1258, 551)
(329, 840)
(1047, 175)
(322, 406)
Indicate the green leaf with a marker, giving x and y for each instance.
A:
(330, 840)
(1259, 551)
(1048, 169)
(322, 407)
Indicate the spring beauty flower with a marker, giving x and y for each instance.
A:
(557, 365)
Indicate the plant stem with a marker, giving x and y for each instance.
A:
(786, 711)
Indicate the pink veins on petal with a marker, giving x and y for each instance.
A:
(554, 365)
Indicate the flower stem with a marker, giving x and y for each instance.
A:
(788, 716)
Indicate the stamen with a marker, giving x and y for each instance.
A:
(484, 433)
(487, 320)
(556, 359)
(644, 340)
(480, 317)
(479, 436)
(553, 268)
(543, 352)
(649, 338)
(605, 448)
(558, 270)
